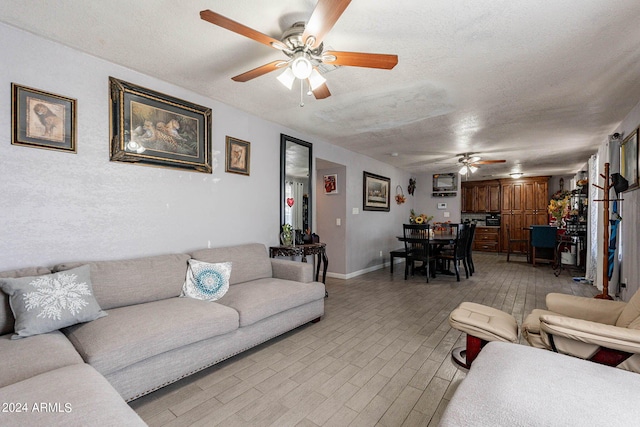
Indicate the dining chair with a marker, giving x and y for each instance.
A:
(470, 238)
(459, 251)
(512, 242)
(543, 237)
(417, 248)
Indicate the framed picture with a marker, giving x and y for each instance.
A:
(42, 119)
(331, 184)
(629, 163)
(445, 182)
(238, 156)
(150, 128)
(376, 194)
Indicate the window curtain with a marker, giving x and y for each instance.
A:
(591, 273)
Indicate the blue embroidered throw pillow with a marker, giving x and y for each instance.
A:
(46, 303)
(206, 281)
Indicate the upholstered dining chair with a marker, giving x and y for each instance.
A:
(417, 248)
(543, 237)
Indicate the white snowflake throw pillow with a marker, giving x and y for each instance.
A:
(206, 281)
(46, 303)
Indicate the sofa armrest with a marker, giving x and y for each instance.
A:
(595, 310)
(292, 270)
(591, 333)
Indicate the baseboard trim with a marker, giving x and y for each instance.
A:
(360, 272)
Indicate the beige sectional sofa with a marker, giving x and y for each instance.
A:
(151, 337)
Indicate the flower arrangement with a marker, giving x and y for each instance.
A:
(286, 237)
(559, 208)
(400, 199)
(419, 219)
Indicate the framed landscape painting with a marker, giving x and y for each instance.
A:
(154, 129)
(43, 120)
(629, 159)
(376, 195)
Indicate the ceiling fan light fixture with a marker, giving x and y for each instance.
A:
(472, 169)
(287, 78)
(474, 159)
(301, 66)
(464, 170)
(316, 80)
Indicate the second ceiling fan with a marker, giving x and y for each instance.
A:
(302, 44)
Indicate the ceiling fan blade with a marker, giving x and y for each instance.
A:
(257, 72)
(359, 59)
(488, 162)
(322, 91)
(323, 18)
(238, 28)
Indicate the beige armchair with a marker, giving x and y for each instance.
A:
(602, 331)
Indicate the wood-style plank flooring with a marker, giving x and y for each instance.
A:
(379, 357)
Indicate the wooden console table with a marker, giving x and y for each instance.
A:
(314, 249)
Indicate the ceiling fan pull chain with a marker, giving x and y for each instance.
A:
(301, 93)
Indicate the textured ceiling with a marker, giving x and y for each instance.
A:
(538, 83)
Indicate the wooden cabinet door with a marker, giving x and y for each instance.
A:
(493, 198)
(481, 198)
(513, 197)
(467, 198)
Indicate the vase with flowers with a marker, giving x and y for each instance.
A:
(558, 209)
(419, 219)
(286, 237)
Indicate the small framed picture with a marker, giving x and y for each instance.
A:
(629, 159)
(42, 119)
(331, 184)
(376, 194)
(238, 156)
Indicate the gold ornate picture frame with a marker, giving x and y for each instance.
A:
(151, 128)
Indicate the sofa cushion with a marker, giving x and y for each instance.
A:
(206, 281)
(74, 395)
(259, 299)
(135, 281)
(24, 359)
(630, 312)
(6, 316)
(47, 303)
(250, 261)
(134, 333)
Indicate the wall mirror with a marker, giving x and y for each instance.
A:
(295, 183)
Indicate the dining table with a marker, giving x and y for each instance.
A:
(437, 241)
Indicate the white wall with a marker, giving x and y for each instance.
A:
(428, 205)
(59, 207)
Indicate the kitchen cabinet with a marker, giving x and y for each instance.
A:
(487, 239)
(480, 196)
(524, 203)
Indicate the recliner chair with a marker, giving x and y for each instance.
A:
(603, 331)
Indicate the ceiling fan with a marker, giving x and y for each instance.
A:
(302, 44)
(470, 163)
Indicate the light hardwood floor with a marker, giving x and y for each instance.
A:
(379, 357)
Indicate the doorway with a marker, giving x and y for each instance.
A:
(331, 218)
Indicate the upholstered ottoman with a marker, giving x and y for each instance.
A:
(482, 324)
